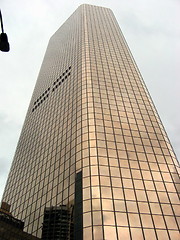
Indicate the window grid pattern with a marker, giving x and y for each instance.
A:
(48, 152)
(129, 168)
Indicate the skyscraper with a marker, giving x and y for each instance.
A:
(93, 150)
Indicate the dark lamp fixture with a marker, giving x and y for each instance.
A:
(4, 44)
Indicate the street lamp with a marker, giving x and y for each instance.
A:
(4, 44)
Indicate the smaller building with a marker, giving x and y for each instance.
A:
(11, 228)
(58, 223)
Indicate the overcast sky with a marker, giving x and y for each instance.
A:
(151, 29)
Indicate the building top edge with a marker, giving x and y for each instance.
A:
(91, 5)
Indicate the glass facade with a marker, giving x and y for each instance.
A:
(92, 139)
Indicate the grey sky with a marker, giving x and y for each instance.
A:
(150, 27)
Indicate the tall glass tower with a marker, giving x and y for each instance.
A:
(93, 150)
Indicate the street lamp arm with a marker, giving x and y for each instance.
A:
(2, 28)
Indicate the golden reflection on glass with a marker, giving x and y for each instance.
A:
(107, 204)
(87, 219)
(146, 221)
(121, 219)
(129, 194)
(106, 192)
(167, 209)
(110, 232)
(100, 120)
(136, 233)
(158, 221)
(95, 192)
(116, 182)
(149, 234)
(119, 205)
(97, 218)
(174, 235)
(87, 206)
(134, 220)
(108, 218)
(118, 193)
(105, 181)
(87, 233)
(123, 233)
(86, 193)
(132, 206)
(96, 204)
(171, 223)
(97, 232)
(162, 235)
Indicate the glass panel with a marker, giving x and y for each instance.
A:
(110, 232)
(123, 233)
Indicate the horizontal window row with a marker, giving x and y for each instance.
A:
(110, 232)
(96, 204)
(130, 194)
(130, 219)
